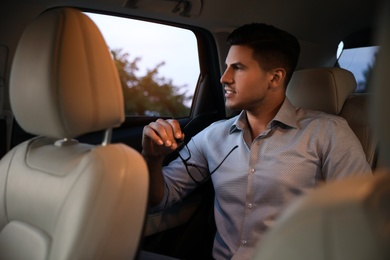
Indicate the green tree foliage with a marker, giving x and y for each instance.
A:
(367, 74)
(151, 94)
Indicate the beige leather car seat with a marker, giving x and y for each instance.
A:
(346, 219)
(356, 112)
(331, 90)
(323, 89)
(60, 199)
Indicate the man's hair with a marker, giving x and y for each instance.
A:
(272, 47)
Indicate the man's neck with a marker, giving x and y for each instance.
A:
(258, 120)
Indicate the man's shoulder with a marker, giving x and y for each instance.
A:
(216, 132)
(307, 117)
(222, 124)
(315, 115)
(218, 128)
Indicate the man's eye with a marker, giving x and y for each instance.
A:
(236, 67)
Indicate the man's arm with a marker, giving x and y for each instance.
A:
(344, 155)
(159, 139)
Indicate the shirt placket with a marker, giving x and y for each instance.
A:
(250, 204)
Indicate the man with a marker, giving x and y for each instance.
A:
(261, 159)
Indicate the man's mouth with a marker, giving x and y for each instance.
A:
(229, 91)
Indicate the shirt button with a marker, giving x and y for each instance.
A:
(252, 170)
(250, 205)
(244, 242)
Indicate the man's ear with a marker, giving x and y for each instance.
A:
(278, 77)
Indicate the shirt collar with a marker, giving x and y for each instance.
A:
(286, 116)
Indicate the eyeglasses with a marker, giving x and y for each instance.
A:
(193, 170)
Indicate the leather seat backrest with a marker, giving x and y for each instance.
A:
(322, 89)
(345, 219)
(330, 90)
(60, 199)
(356, 112)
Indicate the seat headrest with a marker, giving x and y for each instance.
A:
(63, 79)
(323, 89)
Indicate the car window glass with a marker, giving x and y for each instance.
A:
(360, 62)
(158, 64)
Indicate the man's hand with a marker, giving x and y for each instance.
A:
(160, 138)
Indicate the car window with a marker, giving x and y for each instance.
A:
(158, 64)
(360, 62)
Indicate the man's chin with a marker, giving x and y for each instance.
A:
(233, 107)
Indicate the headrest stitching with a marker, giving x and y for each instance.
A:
(61, 23)
(91, 65)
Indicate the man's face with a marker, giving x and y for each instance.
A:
(246, 83)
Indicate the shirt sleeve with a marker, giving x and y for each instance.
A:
(178, 183)
(342, 153)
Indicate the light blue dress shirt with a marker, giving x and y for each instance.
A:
(298, 150)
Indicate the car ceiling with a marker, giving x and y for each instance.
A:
(325, 22)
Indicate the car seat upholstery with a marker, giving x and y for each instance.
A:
(345, 219)
(323, 89)
(356, 112)
(331, 90)
(61, 199)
